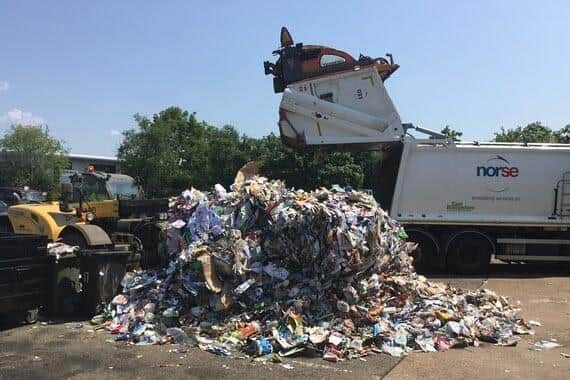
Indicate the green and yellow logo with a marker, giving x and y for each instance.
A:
(459, 207)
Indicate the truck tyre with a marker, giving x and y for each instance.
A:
(426, 254)
(74, 238)
(469, 252)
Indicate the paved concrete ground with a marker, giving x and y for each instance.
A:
(544, 294)
(66, 350)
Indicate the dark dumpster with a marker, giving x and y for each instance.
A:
(101, 272)
(65, 286)
(24, 274)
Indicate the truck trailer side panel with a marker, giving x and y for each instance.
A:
(482, 184)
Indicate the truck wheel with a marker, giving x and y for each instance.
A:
(469, 252)
(74, 238)
(426, 254)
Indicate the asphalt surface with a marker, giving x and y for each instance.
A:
(543, 292)
(73, 350)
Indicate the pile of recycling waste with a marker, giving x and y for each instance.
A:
(267, 271)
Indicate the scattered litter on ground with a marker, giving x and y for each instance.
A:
(59, 249)
(546, 345)
(565, 355)
(265, 271)
(534, 323)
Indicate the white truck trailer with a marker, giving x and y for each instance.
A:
(462, 202)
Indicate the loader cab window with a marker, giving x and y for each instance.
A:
(330, 60)
(33, 196)
(123, 188)
(93, 189)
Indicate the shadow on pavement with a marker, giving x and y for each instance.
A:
(8, 322)
(505, 270)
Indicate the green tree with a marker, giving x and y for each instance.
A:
(227, 152)
(563, 135)
(370, 162)
(304, 169)
(173, 151)
(278, 161)
(452, 133)
(532, 133)
(340, 168)
(167, 153)
(36, 159)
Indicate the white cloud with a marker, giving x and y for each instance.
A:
(115, 132)
(16, 116)
(4, 85)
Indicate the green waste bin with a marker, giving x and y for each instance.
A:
(65, 291)
(101, 272)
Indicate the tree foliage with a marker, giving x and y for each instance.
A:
(173, 151)
(533, 133)
(307, 169)
(166, 153)
(33, 158)
(227, 152)
(452, 133)
(563, 135)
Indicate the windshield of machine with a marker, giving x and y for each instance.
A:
(92, 189)
(33, 196)
(123, 188)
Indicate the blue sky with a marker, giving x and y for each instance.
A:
(84, 67)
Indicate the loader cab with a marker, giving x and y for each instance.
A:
(120, 186)
(98, 186)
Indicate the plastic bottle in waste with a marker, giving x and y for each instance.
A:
(401, 337)
(179, 336)
(122, 337)
(244, 286)
(259, 347)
